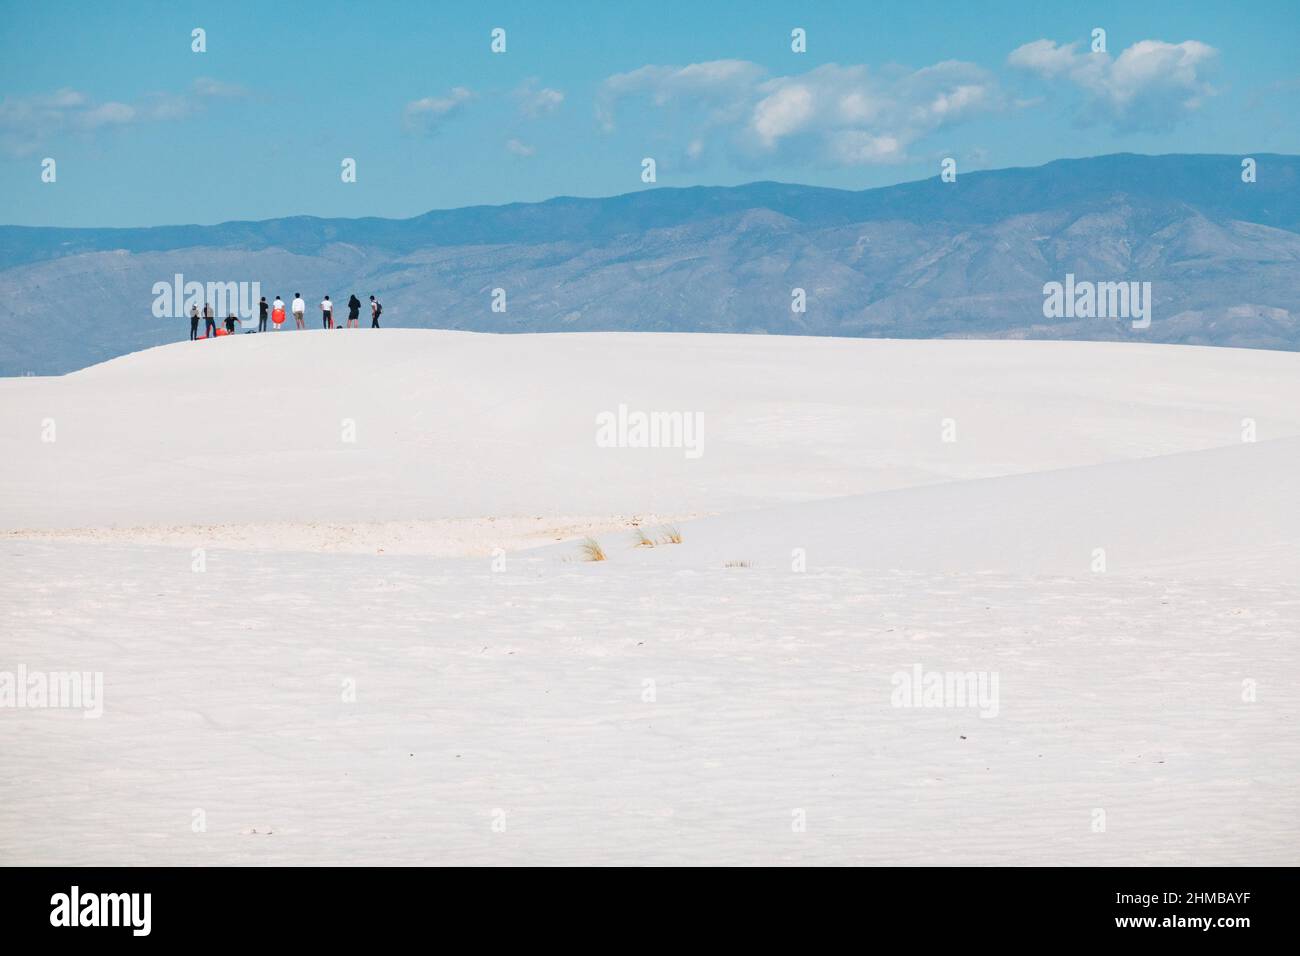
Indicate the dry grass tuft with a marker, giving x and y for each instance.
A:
(672, 535)
(643, 540)
(592, 551)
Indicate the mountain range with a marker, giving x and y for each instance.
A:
(925, 259)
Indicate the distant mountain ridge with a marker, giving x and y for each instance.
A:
(915, 260)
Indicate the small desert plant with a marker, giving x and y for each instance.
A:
(643, 540)
(592, 551)
(672, 535)
(737, 564)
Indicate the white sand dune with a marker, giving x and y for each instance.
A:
(660, 706)
(1229, 513)
(459, 425)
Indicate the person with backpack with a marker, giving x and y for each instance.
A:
(299, 310)
(327, 314)
(354, 311)
(375, 309)
(261, 315)
(209, 322)
(194, 322)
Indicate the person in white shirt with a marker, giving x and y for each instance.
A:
(277, 306)
(299, 310)
(327, 314)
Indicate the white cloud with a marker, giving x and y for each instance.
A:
(535, 101)
(854, 147)
(1149, 86)
(520, 149)
(784, 111)
(841, 115)
(106, 114)
(62, 99)
(206, 86)
(1047, 59)
(723, 86)
(27, 123)
(428, 114)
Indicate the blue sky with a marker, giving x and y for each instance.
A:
(145, 131)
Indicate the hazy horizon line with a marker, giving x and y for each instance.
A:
(652, 188)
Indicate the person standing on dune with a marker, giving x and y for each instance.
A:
(194, 322)
(209, 322)
(354, 312)
(375, 309)
(299, 310)
(327, 313)
(262, 308)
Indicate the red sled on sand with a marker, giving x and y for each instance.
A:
(222, 331)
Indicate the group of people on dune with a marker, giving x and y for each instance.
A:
(276, 312)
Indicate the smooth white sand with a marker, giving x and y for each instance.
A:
(657, 707)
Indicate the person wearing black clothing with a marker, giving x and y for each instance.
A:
(230, 324)
(354, 312)
(194, 322)
(209, 322)
(261, 315)
(375, 309)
